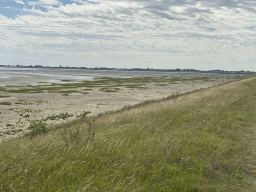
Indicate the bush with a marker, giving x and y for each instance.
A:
(37, 128)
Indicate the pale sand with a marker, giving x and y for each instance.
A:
(76, 103)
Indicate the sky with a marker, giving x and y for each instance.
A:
(158, 34)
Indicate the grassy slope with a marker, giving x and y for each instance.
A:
(197, 142)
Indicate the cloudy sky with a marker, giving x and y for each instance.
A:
(167, 34)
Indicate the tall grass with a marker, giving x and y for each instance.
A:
(195, 142)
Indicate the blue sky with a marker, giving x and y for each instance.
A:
(164, 34)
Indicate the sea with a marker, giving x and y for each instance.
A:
(11, 76)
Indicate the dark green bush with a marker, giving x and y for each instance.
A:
(37, 128)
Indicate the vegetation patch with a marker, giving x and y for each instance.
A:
(58, 117)
(69, 91)
(66, 80)
(161, 84)
(107, 89)
(4, 96)
(12, 132)
(23, 103)
(5, 103)
(84, 114)
(37, 127)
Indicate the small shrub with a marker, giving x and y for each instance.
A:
(37, 128)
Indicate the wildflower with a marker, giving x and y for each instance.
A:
(188, 157)
(162, 167)
(69, 173)
(190, 163)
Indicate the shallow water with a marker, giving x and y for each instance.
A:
(33, 76)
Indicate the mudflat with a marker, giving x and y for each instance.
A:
(57, 103)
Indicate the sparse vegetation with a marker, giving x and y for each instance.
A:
(58, 117)
(106, 84)
(11, 132)
(5, 103)
(107, 89)
(66, 80)
(84, 114)
(37, 127)
(4, 96)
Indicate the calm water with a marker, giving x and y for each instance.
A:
(33, 76)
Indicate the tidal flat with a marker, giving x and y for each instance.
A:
(68, 99)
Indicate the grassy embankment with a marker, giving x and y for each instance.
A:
(201, 141)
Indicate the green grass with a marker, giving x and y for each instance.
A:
(4, 96)
(5, 103)
(192, 142)
(66, 80)
(107, 89)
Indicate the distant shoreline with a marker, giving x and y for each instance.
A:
(134, 69)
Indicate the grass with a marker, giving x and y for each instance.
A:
(105, 82)
(4, 96)
(191, 142)
(107, 89)
(66, 80)
(5, 103)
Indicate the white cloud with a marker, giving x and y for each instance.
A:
(184, 32)
(50, 2)
(44, 3)
(19, 1)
